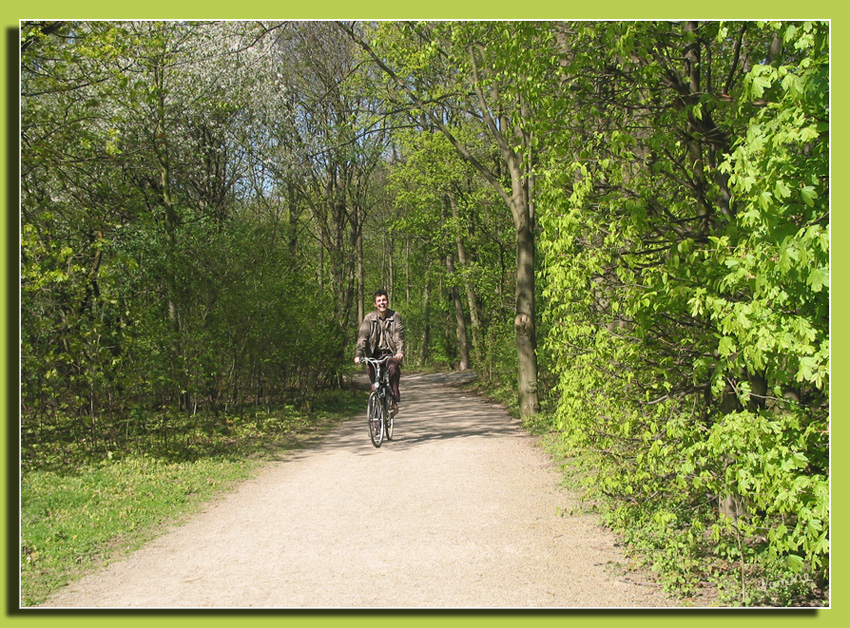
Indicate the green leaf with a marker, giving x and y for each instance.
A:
(808, 195)
(818, 278)
(782, 190)
(759, 85)
(726, 346)
(794, 562)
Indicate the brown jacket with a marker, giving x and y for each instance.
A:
(369, 336)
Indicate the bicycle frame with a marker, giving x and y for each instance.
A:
(377, 411)
(381, 381)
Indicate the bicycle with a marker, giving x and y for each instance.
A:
(378, 413)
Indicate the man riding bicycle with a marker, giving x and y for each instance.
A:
(382, 333)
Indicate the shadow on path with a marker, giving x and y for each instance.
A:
(432, 409)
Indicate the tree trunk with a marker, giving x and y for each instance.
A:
(384, 262)
(361, 275)
(161, 148)
(292, 197)
(525, 325)
(407, 271)
(462, 340)
(426, 314)
(391, 276)
(474, 316)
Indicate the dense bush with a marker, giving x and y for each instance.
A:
(693, 359)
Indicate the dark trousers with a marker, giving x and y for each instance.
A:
(393, 371)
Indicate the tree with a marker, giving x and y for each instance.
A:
(492, 74)
(339, 151)
(671, 246)
(434, 187)
(144, 152)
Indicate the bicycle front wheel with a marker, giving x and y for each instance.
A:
(375, 417)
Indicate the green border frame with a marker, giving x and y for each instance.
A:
(384, 9)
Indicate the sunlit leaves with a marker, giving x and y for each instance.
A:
(699, 357)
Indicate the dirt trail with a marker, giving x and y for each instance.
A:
(460, 510)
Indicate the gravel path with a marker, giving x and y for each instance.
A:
(460, 510)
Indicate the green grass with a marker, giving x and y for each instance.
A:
(71, 523)
(81, 514)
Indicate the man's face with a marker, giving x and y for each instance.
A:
(382, 303)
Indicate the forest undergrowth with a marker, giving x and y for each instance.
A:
(82, 508)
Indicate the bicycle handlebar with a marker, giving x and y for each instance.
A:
(375, 360)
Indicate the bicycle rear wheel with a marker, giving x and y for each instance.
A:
(375, 417)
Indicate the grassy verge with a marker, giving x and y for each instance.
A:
(89, 510)
(71, 523)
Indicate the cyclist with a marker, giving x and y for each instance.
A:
(382, 333)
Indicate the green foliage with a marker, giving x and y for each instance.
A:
(199, 220)
(689, 318)
(445, 208)
(152, 283)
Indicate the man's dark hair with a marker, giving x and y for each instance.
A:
(380, 292)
